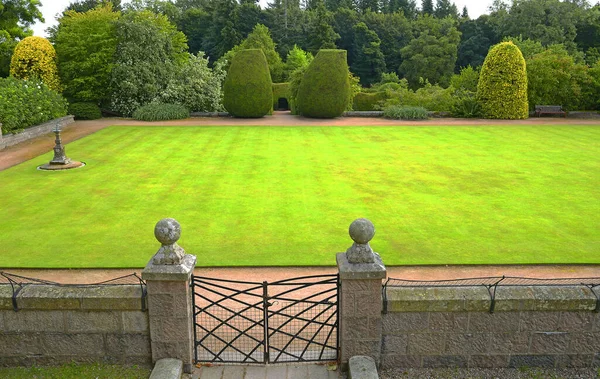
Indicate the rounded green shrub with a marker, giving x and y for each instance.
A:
(247, 90)
(85, 111)
(325, 88)
(161, 112)
(502, 87)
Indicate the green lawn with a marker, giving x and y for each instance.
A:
(271, 196)
(75, 371)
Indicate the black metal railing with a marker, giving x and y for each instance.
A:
(492, 283)
(291, 320)
(18, 283)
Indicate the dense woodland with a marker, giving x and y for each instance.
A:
(423, 44)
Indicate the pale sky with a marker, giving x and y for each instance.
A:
(50, 8)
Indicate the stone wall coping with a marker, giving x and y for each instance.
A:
(162, 272)
(34, 131)
(360, 271)
(51, 297)
(478, 299)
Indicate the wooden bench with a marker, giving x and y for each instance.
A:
(549, 109)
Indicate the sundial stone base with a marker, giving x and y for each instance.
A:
(60, 166)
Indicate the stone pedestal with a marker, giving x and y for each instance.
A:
(361, 300)
(170, 307)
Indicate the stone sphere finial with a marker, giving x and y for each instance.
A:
(167, 231)
(361, 231)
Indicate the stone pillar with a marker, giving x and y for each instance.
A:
(361, 272)
(170, 308)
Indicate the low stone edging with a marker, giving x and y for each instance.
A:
(34, 131)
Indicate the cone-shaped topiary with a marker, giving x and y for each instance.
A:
(502, 87)
(35, 58)
(325, 89)
(247, 89)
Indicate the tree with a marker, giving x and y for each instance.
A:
(296, 59)
(85, 45)
(395, 32)
(221, 35)
(83, 6)
(502, 87)
(547, 21)
(369, 62)
(16, 18)
(427, 7)
(553, 77)
(407, 7)
(260, 38)
(286, 21)
(149, 49)
(320, 32)
(432, 55)
(194, 23)
(477, 37)
(444, 8)
(465, 13)
(344, 21)
(35, 58)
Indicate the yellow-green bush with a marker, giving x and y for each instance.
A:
(35, 58)
(280, 90)
(502, 87)
(247, 90)
(325, 88)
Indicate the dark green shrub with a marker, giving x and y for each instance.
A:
(295, 79)
(502, 87)
(405, 113)
(25, 103)
(325, 88)
(466, 105)
(161, 112)
(247, 91)
(85, 111)
(280, 91)
(367, 101)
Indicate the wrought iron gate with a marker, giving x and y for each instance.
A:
(290, 320)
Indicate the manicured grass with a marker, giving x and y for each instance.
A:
(75, 371)
(261, 196)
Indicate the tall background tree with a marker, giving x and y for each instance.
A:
(16, 19)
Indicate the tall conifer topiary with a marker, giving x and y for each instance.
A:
(502, 87)
(247, 90)
(35, 58)
(325, 88)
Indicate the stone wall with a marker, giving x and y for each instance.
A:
(34, 131)
(452, 327)
(55, 325)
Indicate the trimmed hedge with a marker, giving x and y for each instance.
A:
(247, 91)
(161, 112)
(35, 58)
(325, 88)
(85, 111)
(25, 103)
(502, 87)
(368, 101)
(281, 90)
